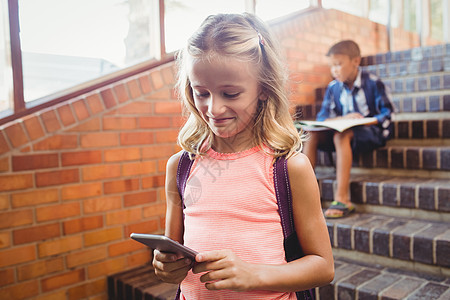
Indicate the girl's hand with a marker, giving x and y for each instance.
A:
(169, 267)
(225, 271)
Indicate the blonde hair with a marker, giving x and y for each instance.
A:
(247, 38)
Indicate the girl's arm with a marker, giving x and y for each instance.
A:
(168, 266)
(316, 268)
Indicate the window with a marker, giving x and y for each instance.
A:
(5, 60)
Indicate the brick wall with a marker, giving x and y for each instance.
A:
(78, 178)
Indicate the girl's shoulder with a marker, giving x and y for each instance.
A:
(298, 164)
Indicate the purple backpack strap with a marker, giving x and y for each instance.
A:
(183, 170)
(292, 247)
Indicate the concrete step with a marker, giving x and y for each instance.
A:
(419, 83)
(355, 280)
(390, 192)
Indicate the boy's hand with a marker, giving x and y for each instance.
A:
(353, 115)
(169, 267)
(225, 271)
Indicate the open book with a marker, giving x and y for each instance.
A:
(338, 125)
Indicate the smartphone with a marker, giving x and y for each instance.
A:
(164, 244)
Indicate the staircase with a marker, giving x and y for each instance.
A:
(397, 245)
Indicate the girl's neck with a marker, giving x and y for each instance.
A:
(234, 144)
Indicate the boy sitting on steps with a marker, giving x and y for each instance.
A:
(352, 94)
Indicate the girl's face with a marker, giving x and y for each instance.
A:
(344, 68)
(225, 94)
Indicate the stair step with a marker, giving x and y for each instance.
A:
(406, 157)
(394, 192)
(354, 280)
(407, 239)
(419, 83)
(414, 54)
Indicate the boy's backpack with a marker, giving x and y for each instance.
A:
(292, 247)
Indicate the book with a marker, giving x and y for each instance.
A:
(338, 125)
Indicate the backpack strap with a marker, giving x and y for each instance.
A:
(292, 247)
(183, 170)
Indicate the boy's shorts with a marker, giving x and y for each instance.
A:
(365, 138)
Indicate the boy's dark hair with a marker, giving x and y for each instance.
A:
(347, 47)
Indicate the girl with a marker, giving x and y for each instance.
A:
(232, 81)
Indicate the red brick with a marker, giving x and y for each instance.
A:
(84, 257)
(139, 198)
(94, 103)
(80, 109)
(35, 197)
(124, 216)
(122, 154)
(142, 227)
(136, 108)
(134, 88)
(136, 138)
(6, 277)
(162, 95)
(121, 93)
(99, 139)
(81, 191)
(167, 136)
(157, 210)
(102, 236)
(168, 75)
(119, 123)
(26, 290)
(157, 79)
(4, 202)
(3, 144)
(40, 268)
(120, 186)
(36, 233)
(33, 127)
(101, 172)
(35, 161)
(55, 212)
(104, 268)
(16, 135)
(124, 247)
(168, 107)
(57, 142)
(139, 258)
(158, 151)
(50, 121)
(87, 126)
(16, 218)
(17, 255)
(82, 224)
(60, 246)
(95, 205)
(155, 122)
(108, 98)
(145, 84)
(138, 168)
(57, 177)
(60, 280)
(88, 289)
(153, 181)
(66, 115)
(59, 294)
(81, 158)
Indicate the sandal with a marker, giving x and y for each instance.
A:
(344, 208)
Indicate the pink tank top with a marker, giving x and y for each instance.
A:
(231, 204)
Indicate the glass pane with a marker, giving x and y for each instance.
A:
(6, 84)
(354, 7)
(436, 11)
(182, 17)
(379, 11)
(272, 9)
(65, 43)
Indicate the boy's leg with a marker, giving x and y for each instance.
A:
(310, 146)
(344, 157)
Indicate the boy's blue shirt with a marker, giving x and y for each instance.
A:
(378, 101)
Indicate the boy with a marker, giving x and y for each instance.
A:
(353, 94)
